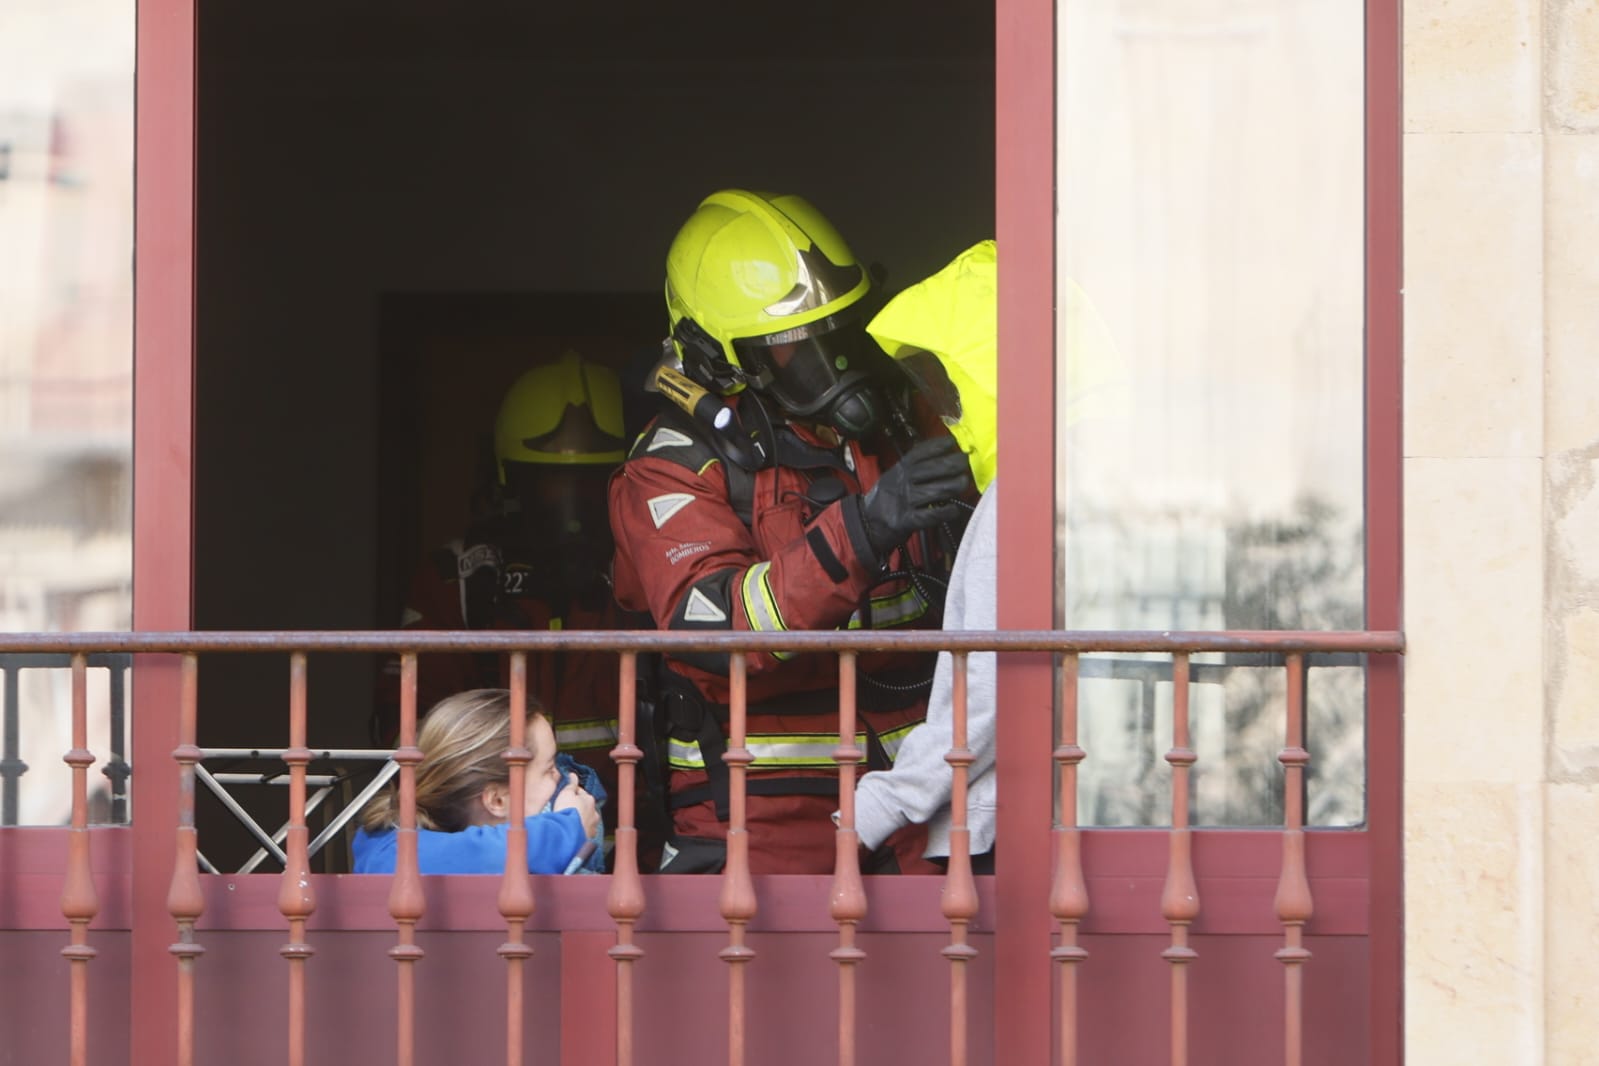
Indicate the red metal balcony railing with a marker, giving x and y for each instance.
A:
(739, 897)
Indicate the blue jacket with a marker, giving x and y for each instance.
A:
(555, 841)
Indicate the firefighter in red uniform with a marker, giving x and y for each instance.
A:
(787, 492)
(540, 559)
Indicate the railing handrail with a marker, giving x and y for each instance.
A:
(637, 640)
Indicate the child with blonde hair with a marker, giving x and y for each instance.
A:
(463, 796)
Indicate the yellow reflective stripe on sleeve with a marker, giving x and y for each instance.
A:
(894, 739)
(796, 751)
(591, 733)
(760, 607)
(893, 610)
(684, 754)
(775, 751)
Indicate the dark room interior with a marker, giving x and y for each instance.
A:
(402, 206)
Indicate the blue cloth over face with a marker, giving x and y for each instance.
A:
(590, 859)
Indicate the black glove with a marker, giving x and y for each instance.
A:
(918, 493)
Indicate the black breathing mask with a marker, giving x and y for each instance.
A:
(817, 373)
(557, 518)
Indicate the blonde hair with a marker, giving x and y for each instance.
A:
(463, 742)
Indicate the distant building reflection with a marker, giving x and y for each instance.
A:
(66, 361)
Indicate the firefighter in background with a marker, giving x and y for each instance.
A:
(538, 560)
(787, 490)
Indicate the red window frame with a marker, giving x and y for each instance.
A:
(1025, 221)
(1025, 216)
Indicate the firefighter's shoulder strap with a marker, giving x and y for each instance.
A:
(654, 818)
(676, 437)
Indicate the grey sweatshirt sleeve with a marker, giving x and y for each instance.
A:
(918, 786)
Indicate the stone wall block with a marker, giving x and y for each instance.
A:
(1472, 65)
(1474, 705)
(1571, 59)
(1474, 295)
(1572, 669)
(1474, 951)
(1572, 886)
(1571, 265)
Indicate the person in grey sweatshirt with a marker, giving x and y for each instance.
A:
(942, 333)
(918, 787)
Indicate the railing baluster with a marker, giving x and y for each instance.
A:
(405, 895)
(625, 901)
(1293, 903)
(296, 899)
(1068, 897)
(1179, 902)
(11, 765)
(116, 768)
(848, 905)
(78, 900)
(959, 902)
(184, 901)
(738, 890)
(516, 888)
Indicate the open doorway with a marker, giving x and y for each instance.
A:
(373, 182)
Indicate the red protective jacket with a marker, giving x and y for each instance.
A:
(475, 584)
(684, 553)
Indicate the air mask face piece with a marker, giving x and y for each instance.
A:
(816, 373)
(561, 520)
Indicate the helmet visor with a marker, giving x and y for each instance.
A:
(804, 369)
(576, 439)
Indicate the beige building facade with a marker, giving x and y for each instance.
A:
(1501, 446)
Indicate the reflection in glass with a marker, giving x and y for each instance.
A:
(1211, 209)
(66, 380)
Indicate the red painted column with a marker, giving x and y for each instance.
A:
(296, 898)
(625, 901)
(1293, 902)
(848, 906)
(1384, 527)
(406, 901)
(79, 901)
(738, 889)
(163, 357)
(1025, 232)
(1068, 897)
(1179, 901)
(960, 891)
(516, 885)
(185, 901)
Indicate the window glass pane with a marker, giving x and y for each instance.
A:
(1211, 394)
(66, 377)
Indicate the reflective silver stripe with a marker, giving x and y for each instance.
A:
(589, 734)
(785, 751)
